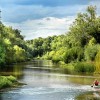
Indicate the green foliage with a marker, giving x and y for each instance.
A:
(6, 81)
(19, 54)
(97, 62)
(84, 27)
(2, 55)
(39, 47)
(84, 67)
(8, 39)
(73, 54)
(90, 52)
(51, 54)
(11, 78)
(58, 42)
(59, 55)
(94, 23)
(92, 42)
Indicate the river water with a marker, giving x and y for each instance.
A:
(46, 83)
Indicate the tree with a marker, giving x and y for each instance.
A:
(19, 54)
(86, 26)
(2, 54)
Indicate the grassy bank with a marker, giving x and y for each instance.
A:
(7, 81)
(77, 67)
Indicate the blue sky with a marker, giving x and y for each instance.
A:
(36, 17)
(44, 2)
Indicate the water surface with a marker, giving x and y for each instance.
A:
(45, 83)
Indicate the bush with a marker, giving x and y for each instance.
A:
(97, 62)
(50, 55)
(73, 54)
(11, 78)
(84, 67)
(6, 81)
(90, 52)
(55, 59)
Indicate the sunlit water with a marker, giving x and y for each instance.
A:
(45, 83)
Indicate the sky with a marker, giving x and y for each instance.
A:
(43, 18)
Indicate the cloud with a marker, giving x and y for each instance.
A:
(21, 10)
(43, 27)
(42, 18)
(17, 12)
(22, 13)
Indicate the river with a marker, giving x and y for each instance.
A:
(46, 83)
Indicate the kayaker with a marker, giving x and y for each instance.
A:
(95, 83)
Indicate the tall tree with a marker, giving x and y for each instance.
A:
(86, 26)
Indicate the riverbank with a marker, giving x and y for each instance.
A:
(74, 67)
(8, 81)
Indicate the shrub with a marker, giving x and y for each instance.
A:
(50, 55)
(68, 68)
(84, 67)
(90, 52)
(6, 81)
(73, 54)
(55, 59)
(97, 62)
(11, 78)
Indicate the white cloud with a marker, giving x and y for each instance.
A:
(35, 21)
(21, 13)
(43, 27)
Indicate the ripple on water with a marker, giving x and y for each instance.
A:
(51, 89)
(53, 92)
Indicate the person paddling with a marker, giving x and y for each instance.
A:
(95, 83)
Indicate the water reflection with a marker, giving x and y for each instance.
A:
(89, 96)
(82, 80)
(39, 63)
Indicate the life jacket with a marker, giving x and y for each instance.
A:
(96, 83)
